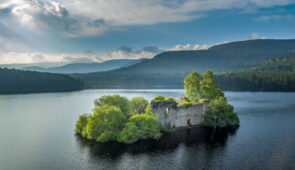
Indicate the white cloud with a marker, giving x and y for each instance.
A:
(119, 54)
(126, 53)
(52, 17)
(276, 17)
(75, 18)
(189, 47)
(128, 12)
(27, 58)
(255, 35)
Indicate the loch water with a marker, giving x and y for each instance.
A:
(36, 132)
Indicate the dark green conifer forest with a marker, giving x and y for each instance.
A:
(17, 81)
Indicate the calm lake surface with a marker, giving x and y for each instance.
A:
(36, 132)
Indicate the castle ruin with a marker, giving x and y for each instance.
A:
(172, 115)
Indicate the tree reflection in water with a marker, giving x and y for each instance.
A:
(169, 141)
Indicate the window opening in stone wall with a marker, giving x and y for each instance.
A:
(189, 122)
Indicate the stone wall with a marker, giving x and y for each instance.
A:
(172, 116)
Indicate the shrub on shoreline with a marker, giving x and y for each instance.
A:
(220, 114)
(139, 127)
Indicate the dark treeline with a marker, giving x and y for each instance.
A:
(131, 81)
(286, 63)
(17, 81)
(257, 81)
(276, 74)
(237, 81)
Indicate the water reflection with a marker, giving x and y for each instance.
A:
(168, 142)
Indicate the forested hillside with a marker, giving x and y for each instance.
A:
(17, 81)
(257, 81)
(286, 63)
(246, 65)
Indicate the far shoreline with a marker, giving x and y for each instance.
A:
(134, 89)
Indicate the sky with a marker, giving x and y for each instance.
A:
(67, 31)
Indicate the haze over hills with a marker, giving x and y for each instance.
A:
(86, 67)
(42, 65)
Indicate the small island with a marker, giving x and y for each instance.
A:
(115, 118)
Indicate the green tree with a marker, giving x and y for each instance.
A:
(140, 126)
(114, 100)
(209, 89)
(192, 86)
(105, 123)
(138, 105)
(220, 114)
(81, 124)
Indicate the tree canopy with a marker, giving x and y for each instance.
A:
(209, 89)
(197, 87)
(192, 86)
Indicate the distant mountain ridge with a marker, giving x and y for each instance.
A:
(167, 70)
(277, 74)
(219, 58)
(86, 67)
